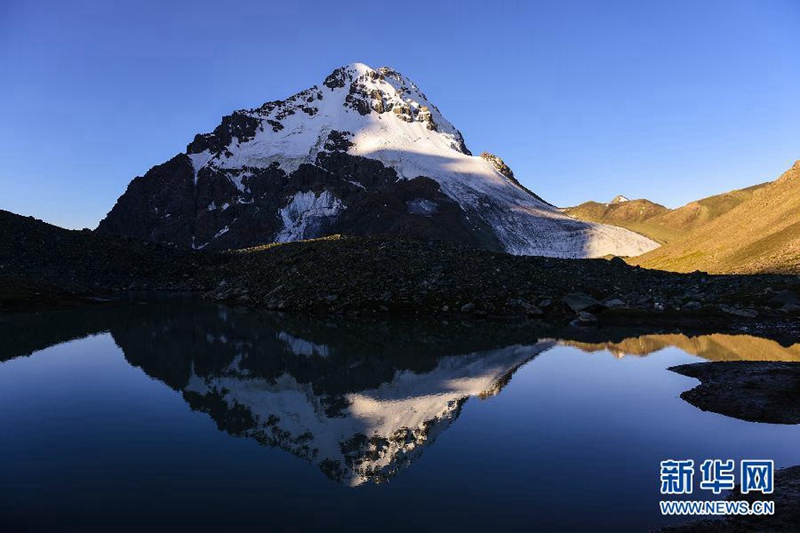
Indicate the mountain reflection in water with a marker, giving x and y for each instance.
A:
(713, 347)
(359, 399)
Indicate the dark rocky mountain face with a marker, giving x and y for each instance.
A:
(377, 202)
(165, 189)
(364, 153)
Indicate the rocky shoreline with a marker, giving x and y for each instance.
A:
(755, 391)
(389, 276)
(42, 265)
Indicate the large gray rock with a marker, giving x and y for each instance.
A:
(578, 301)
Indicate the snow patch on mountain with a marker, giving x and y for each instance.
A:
(421, 206)
(305, 213)
(199, 161)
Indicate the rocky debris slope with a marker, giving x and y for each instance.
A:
(403, 276)
(393, 277)
(363, 153)
(39, 261)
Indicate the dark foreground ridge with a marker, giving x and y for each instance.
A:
(755, 391)
(389, 276)
(401, 276)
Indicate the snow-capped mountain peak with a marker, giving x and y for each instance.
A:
(381, 111)
(357, 154)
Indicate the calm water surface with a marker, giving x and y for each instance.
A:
(180, 414)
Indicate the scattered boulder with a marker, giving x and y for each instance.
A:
(532, 310)
(584, 319)
(578, 301)
(783, 298)
(744, 313)
(616, 260)
(614, 303)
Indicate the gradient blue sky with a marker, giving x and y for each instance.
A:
(671, 100)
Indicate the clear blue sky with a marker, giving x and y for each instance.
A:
(670, 100)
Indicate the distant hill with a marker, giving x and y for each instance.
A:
(656, 221)
(635, 215)
(754, 230)
(696, 214)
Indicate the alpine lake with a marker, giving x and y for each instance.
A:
(173, 413)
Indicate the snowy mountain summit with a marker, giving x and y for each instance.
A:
(363, 153)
